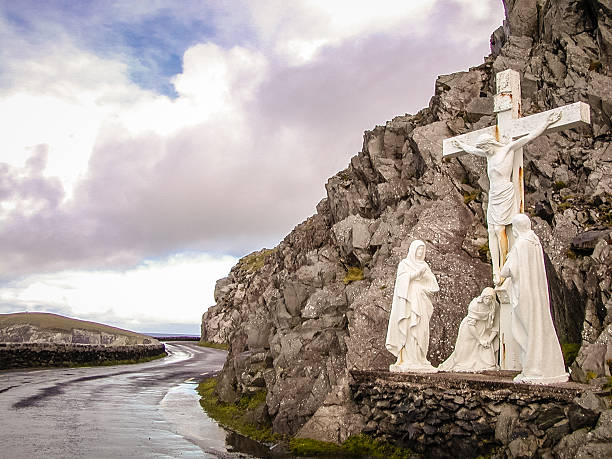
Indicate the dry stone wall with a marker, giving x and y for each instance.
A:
(26, 355)
(448, 417)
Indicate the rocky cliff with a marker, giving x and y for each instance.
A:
(299, 316)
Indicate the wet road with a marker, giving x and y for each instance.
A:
(143, 410)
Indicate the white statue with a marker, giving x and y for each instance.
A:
(532, 325)
(411, 310)
(502, 202)
(475, 347)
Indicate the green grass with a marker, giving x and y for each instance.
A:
(570, 352)
(48, 321)
(564, 206)
(233, 415)
(223, 346)
(353, 274)
(354, 446)
(255, 261)
(559, 185)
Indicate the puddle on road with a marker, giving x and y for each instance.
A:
(181, 408)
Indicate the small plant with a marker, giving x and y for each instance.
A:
(570, 352)
(483, 252)
(353, 274)
(564, 206)
(469, 197)
(595, 66)
(559, 185)
(255, 261)
(571, 254)
(590, 375)
(223, 346)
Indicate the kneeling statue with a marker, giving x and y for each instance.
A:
(475, 350)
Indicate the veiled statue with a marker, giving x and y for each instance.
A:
(411, 310)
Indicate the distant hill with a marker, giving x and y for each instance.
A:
(37, 327)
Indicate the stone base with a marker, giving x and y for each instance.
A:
(522, 379)
(395, 368)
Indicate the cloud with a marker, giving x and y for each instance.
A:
(231, 164)
(153, 292)
(102, 170)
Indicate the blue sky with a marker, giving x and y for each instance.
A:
(149, 145)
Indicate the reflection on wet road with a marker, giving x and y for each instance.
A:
(143, 410)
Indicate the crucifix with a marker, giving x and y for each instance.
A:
(502, 146)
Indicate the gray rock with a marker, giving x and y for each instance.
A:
(523, 448)
(506, 421)
(569, 445)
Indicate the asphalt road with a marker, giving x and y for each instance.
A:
(143, 410)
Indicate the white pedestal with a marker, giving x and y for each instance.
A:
(509, 350)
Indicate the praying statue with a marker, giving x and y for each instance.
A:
(475, 346)
(503, 204)
(532, 325)
(411, 310)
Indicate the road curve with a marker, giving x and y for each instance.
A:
(143, 410)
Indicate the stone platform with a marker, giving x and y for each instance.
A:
(466, 415)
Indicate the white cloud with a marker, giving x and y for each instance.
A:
(299, 29)
(178, 289)
(231, 164)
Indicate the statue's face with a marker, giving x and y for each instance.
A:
(487, 299)
(420, 253)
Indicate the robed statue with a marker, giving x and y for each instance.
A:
(475, 349)
(411, 310)
(532, 325)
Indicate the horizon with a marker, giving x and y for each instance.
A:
(148, 147)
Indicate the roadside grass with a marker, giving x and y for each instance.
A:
(234, 416)
(354, 446)
(223, 346)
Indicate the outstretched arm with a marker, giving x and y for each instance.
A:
(469, 149)
(552, 118)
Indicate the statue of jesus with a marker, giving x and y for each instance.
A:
(502, 202)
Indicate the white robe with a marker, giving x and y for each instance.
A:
(469, 355)
(532, 325)
(411, 310)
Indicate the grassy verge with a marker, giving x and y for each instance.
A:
(354, 446)
(235, 416)
(223, 346)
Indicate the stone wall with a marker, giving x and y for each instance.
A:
(450, 415)
(25, 355)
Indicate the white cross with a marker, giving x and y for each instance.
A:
(510, 126)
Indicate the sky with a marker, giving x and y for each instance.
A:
(146, 146)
